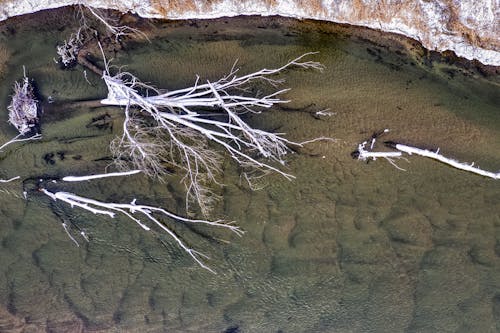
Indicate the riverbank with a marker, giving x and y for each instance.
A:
(468, 28)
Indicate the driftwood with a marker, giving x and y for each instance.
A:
(366, 154)
(446, 160)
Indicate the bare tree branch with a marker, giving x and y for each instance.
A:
(151, 213)
(15, 139)
(70, 51)
(175, 128)
(367, 154)
(118, 31)
(99, 176)
(9, 180)
(446, 160)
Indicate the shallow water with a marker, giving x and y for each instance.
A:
(346, 247)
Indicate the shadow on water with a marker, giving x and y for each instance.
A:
(346, 247)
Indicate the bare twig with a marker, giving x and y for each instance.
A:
(65, 227)
(366, 154)
(14, 140)
(118, 31)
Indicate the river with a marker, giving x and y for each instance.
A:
(347, 246)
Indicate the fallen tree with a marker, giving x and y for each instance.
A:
(174, 128)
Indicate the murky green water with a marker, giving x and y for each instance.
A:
(346, 247)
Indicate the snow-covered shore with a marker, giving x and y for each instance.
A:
(470, 28)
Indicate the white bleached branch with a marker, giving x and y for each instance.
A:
(175, 127)
(436, 156)
(16, 139)
(151, 213)
(103, 175)
(9, 180)
(367, 154)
